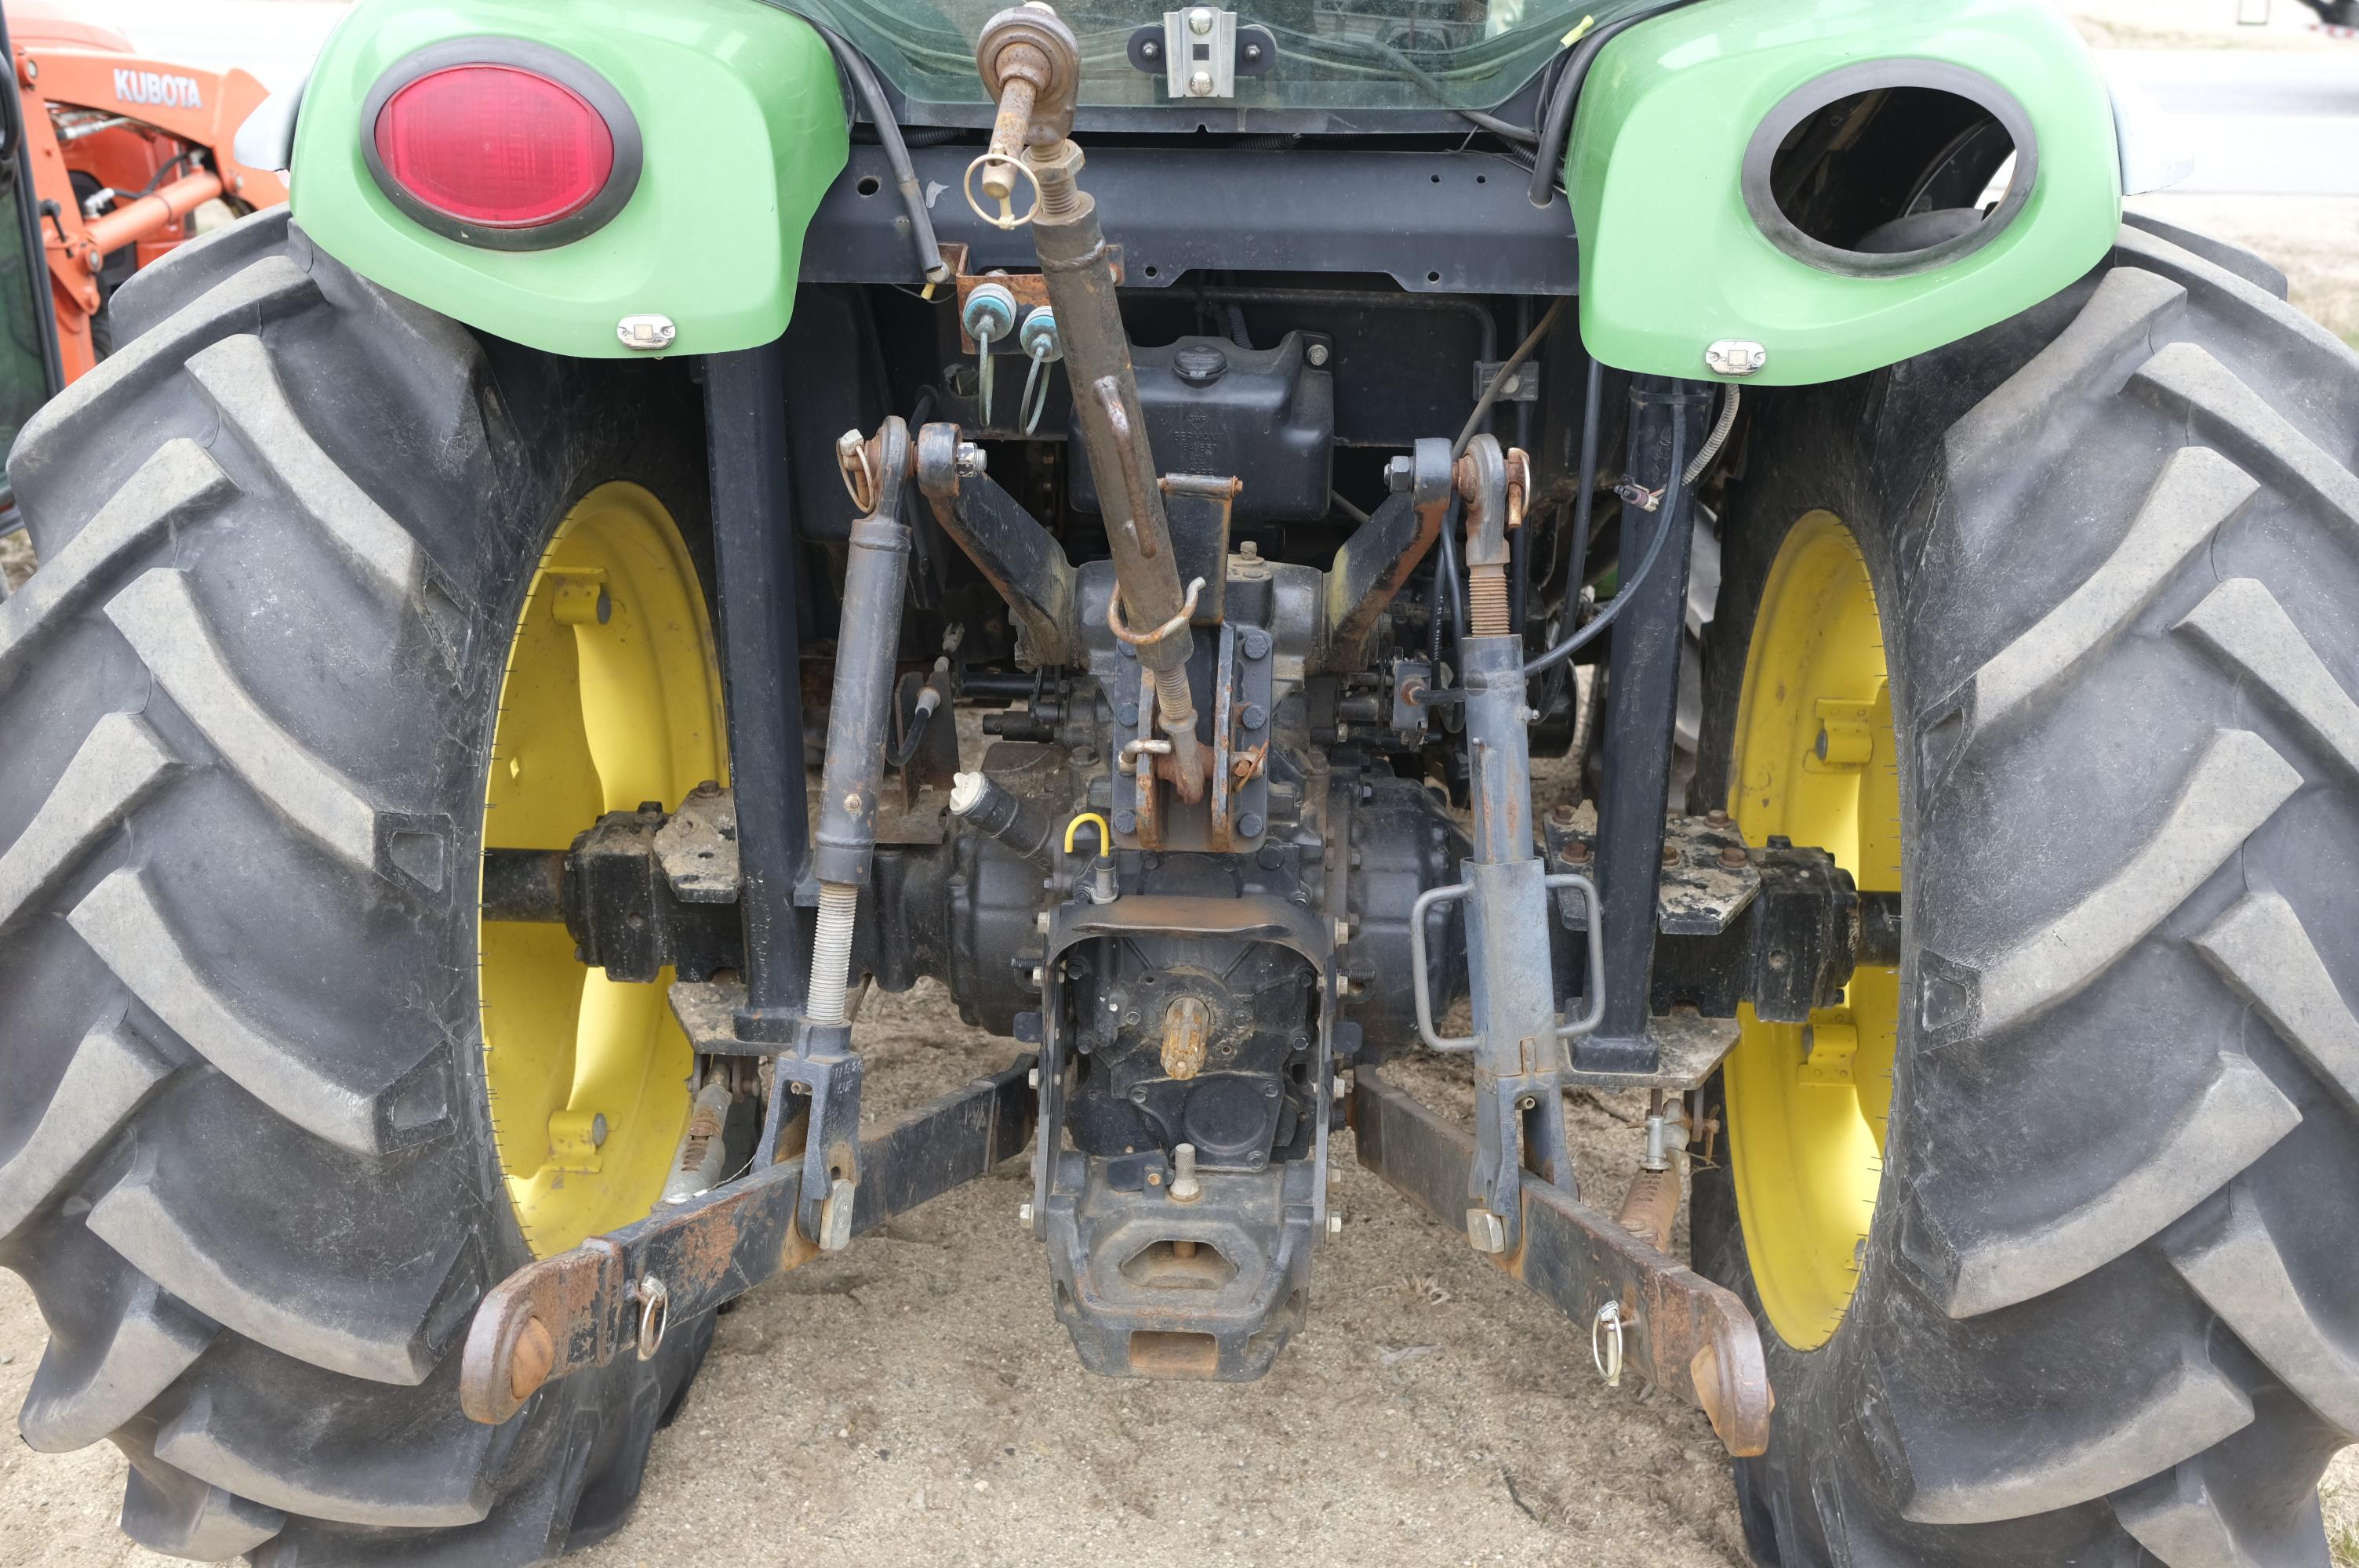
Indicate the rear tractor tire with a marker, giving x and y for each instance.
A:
(2053, 1232)
(247, 705)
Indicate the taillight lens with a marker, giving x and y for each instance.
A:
(495, 145)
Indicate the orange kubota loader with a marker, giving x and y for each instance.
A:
(122, 150)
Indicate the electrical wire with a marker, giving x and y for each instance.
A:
(1452, 579)
(1674, 498)
(1547, 151)
(1668, 514)
(1499, 378)
(1586, 503)
(896, 152)
(1719, 435)
(913, 738)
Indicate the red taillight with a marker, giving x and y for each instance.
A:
(495, 145)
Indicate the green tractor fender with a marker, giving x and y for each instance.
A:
(1674, 174)
(1672, 168)
(739, 127)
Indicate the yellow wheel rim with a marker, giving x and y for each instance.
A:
(612, 698)
(1815, 760)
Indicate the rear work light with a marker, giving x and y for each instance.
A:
(501, 143)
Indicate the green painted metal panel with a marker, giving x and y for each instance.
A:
(743, 127)
(1671, 259)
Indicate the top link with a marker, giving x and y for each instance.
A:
(1031, 66)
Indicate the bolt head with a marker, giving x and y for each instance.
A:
(1736, 356)
(1032, 1078)
(598, 1131)
(1316, 354)
(1334, 1225)
(1024, 1213)
(1256, 642)
(1037, 976)
(1199, 84)
(1249, 825)
(972, 462)
(1199, 20)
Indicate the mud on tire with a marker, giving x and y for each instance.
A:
(2109, 1310)
(245, 711)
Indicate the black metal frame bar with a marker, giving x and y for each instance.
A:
(754, 550)
(1641, 706)
(1185, 211)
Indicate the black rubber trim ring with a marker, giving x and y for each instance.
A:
(1868, 76)
(542, 60)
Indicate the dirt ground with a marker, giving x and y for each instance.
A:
(912, 1399)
